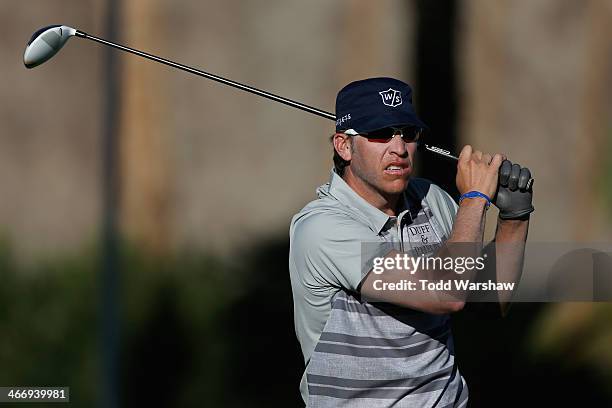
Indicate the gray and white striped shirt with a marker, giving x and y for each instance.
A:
(361, 354)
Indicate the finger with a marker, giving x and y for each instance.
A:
(486, 158)
(466, 153)
(504, 172)
(497, 160)
(524, 177)
(478, 155)
(514, 177)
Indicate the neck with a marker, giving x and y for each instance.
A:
(386, 203)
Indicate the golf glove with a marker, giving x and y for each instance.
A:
(514, 192)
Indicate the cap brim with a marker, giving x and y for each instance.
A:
(392, 120)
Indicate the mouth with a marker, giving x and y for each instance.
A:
(399, 169)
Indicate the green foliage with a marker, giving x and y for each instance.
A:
(47, 321)
(577, 335)
(170, 308)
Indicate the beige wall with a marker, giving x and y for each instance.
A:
(535, 83)
(208, 167)
(204, 166)
(49, 143)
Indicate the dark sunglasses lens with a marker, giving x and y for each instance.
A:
(386, 133)
(411, 134)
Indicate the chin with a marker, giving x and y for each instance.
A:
(396, 186)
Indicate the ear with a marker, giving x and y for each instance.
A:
(342, 144)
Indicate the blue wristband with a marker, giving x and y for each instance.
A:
(475, 194)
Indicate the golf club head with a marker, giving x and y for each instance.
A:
(45, 43)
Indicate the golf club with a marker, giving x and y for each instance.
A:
(47, 42)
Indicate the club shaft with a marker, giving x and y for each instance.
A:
(204, 74)
(225, 81)
(440, 151)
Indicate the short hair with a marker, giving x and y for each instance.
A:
(339, 162)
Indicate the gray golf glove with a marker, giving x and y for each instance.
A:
(514, 193)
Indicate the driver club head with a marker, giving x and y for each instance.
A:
(45, 43)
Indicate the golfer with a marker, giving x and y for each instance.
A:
(397, 351)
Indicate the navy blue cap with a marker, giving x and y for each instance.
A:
(375, 103)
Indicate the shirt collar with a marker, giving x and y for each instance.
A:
(348, 197)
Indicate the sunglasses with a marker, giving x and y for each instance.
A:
(410, 134)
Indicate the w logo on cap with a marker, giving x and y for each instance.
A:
(391, 97)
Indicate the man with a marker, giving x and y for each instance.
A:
(398, 351)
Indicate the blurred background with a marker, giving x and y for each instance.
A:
(145, 211)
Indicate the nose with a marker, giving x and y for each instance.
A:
(398, 146)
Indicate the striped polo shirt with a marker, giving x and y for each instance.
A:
(361, 354)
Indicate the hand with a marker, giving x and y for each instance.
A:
(478, 171)
(514, 195)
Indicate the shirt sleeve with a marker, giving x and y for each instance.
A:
(332, 249)
(451, 204)
(443, 206)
